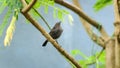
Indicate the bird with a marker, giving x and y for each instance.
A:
(55, 32)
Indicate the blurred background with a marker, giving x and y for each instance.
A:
(26, 51)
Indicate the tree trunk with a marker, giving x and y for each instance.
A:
(110, 54)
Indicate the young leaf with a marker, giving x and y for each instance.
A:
(101, 4)
(10, 29)
(78, 52)
(60, 15)
(70, 18)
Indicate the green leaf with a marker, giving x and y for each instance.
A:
(65, 12)
(46, 8)
(70, 18)
(5, 21)
(37, 4)
(16, 4)
(51, 3)
(78, 52)
(75, 52)
(83, 63)
(102, 65)
(101, 4)
(57, 12)
(11, 28)
(60, 15)
(34, 14)
(100, 62)
(2, 7)
(102, 58)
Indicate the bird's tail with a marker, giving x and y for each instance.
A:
(44, 44)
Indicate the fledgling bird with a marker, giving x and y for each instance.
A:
(55, 32)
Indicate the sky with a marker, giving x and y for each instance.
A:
(26, 51)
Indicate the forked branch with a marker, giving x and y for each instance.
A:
(29, 6)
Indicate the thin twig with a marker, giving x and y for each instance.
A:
(41, 17)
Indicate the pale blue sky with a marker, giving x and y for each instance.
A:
(26, 50)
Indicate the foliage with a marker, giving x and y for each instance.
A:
(11, 6)
(10, 29)
(87, 61)
(57, 12)
(5, 21)
(101, 4)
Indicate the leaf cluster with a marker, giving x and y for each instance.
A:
(57, 12)
(88, 61)
(9, 6)
(12, 8)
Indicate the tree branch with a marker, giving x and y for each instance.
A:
(117, 18)
(29, 6)
(117, 33)
(79, 12)
(41, 17)
(87, 27)
(84, 16)
(91, 34)
(55, 44)
(110, 54)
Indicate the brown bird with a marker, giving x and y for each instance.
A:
(55, 32)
